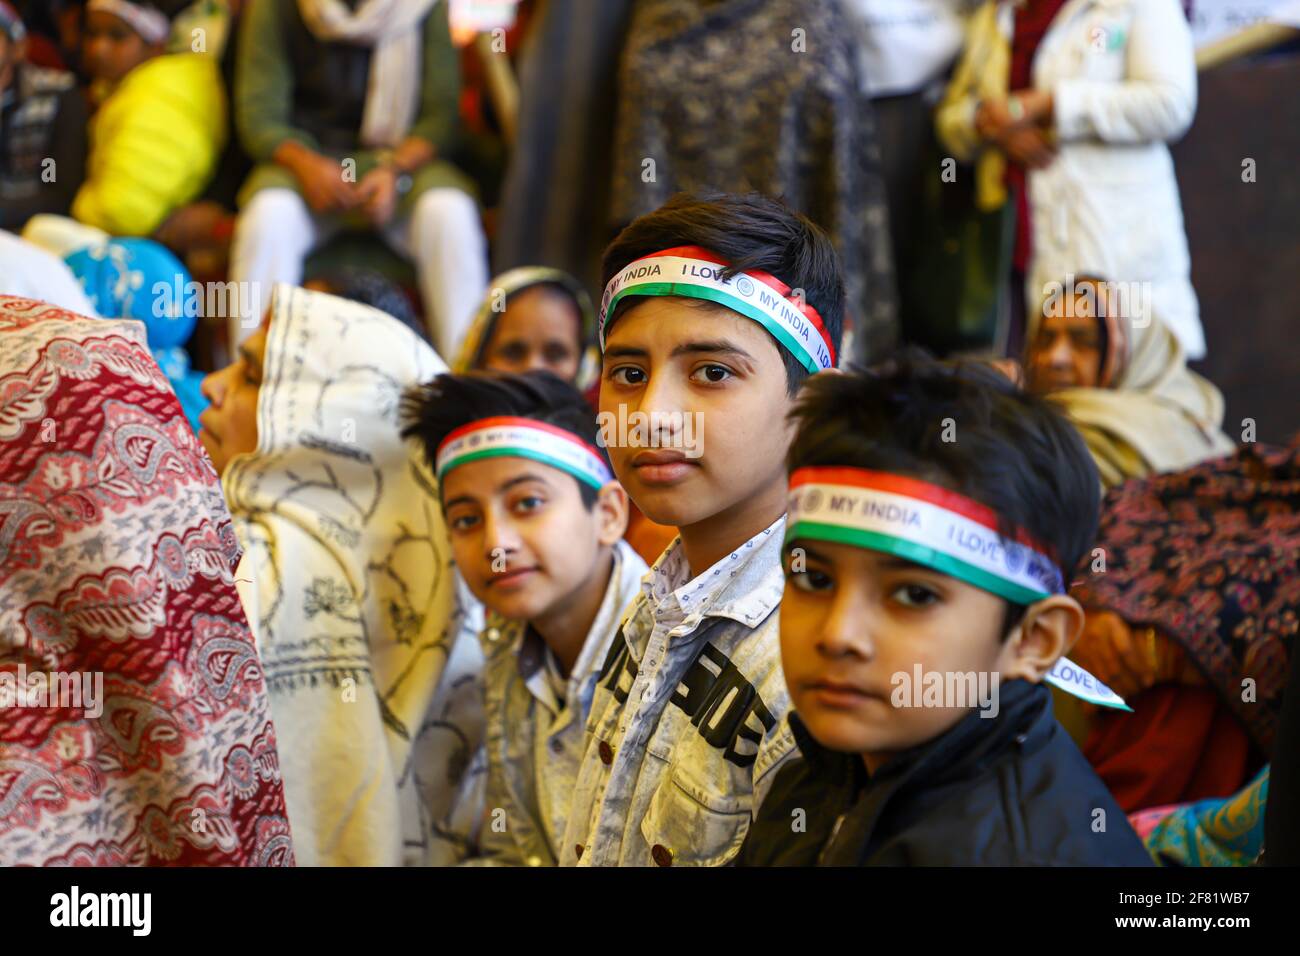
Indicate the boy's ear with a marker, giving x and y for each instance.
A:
(611, 512)
(1044, 635)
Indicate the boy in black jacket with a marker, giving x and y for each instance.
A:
(933, 510)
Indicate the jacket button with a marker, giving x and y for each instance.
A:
(492, 634)
(662, 855)
(606, 753)
(578, 848)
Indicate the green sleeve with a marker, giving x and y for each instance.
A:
(439, 108)
(264, 84)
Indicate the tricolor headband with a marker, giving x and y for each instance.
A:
(697, 273)
(152, 25)
(936, 528)
(523, 438)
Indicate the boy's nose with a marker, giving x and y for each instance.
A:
(847, 628)
(499, 537)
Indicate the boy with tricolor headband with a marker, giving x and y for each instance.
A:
(536, 521)
(936, 514)
(715, 311)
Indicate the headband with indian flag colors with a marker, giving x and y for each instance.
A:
(152, 25)
(697, 273)
(939, 529)
(523, 438)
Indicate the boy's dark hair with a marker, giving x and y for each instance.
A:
(750, 231)
(432, 411)
(1011, 451)
(379, 292)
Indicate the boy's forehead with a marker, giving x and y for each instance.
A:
(484, 477)
(866, 559)
(661, 324)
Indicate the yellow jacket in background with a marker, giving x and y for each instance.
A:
(154, 144)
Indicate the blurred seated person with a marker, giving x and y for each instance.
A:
(140, 279)
(1121, 377)
(349, 110)
(53, 33)
(200, 232)
(1192, 606)
(42, 131)
(157, 130)
(160, 122)
(370, 655)
(534, 317)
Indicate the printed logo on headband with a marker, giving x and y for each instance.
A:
(507, 436)
(696, 273)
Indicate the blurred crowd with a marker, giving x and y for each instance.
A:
(994, 177)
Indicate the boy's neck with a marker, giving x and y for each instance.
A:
(565, 628)
(707, 542)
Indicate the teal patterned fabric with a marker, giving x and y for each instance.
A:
(1226, 831)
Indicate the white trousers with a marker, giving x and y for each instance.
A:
(443, 237)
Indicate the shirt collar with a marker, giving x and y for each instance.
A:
(745, 585)
(532, 650)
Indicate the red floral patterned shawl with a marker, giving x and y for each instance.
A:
(116, 557)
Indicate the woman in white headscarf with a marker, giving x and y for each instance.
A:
(348, 581)
(1121, 377)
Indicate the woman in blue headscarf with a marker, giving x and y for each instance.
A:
(140, 279)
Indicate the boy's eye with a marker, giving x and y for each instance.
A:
(555, 354)
(811, 580)
(712, 374)
(628, 375)
(915, 596)
(529, 503)
(463, 522)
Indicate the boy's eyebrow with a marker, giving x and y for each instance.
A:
(625, 351)
(892, 563)
(504, 486)
(808, 552)
(520, 479)
(715, 346)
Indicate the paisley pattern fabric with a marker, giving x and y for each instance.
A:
(370, 647)
(1210, 557)
(134, 723)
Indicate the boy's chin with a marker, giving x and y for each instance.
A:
(667, 507)
(845, 733)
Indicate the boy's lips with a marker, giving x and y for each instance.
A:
(838, 694)
(663, 466)
(512, 579)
